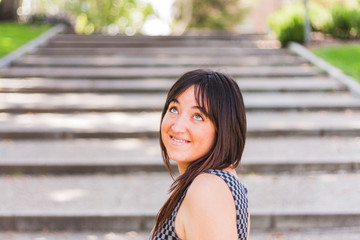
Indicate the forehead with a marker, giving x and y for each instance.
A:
(188, 96)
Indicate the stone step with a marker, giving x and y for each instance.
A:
(136, 102)
(53, 85)
(113, 43)
(348, 233)
(173, 51)
(295, 155)
(107, 202)
(146, 124)
(153, 72)
(117, 61)
(222, 36)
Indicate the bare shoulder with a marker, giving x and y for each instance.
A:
(209, 209)
(209, 193)
(207, 185)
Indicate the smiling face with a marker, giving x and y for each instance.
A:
(186, 132)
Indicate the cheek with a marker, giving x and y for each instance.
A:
(165, 125)
(208, 135)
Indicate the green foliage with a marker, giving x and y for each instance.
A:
(110, 16)
(99, 16)
(288, 22)
(346, 58)
(210, 14)
(13, 35)
(339, 20)
(48, 19)
(345, 22)
(320, 17)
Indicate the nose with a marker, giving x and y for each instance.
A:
(179, 125)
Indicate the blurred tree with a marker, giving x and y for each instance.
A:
(209, 14)
(109, 16)
(98, 16)
(8, 10)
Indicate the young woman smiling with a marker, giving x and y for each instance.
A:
(203, 129)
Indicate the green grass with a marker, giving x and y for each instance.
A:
(345, 57)
(13, 35)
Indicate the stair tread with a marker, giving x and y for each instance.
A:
(259, 84)
(149, 121)
(319, 234)
(78, 61)
(116, 195)
(155, 101)
(134, 72)
(169, 51)
(278, 150)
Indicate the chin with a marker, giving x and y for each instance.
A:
(179, 160)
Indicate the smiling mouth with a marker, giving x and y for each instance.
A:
(177, 140)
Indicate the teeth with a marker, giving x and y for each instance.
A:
(178, 140)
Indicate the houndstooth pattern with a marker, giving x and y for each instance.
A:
(167, 231)
(239, 193)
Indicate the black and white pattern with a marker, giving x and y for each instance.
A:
(167, 232)
(239, 193)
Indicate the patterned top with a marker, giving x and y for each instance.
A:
(239, 193)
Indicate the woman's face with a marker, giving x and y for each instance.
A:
(185, 131)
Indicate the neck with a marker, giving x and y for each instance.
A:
(182, 168)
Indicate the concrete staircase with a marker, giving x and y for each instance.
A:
(79, 125)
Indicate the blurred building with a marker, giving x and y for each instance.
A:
(256, 22)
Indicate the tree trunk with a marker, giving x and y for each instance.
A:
(8, 10)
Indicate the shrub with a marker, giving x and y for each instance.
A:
(341, 21)
(320, 17)
(345, 22)
(48, 19)
(356, 21)
(288, 22)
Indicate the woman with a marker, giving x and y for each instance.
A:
(203, 129)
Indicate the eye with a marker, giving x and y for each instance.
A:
(198, 117)
(173, 110)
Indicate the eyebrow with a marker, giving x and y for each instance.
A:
(176, 101)
(201, 109)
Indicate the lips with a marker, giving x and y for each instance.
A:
(177, 140)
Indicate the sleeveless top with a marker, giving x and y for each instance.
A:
(239, 192)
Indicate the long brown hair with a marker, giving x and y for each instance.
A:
(219, 97)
